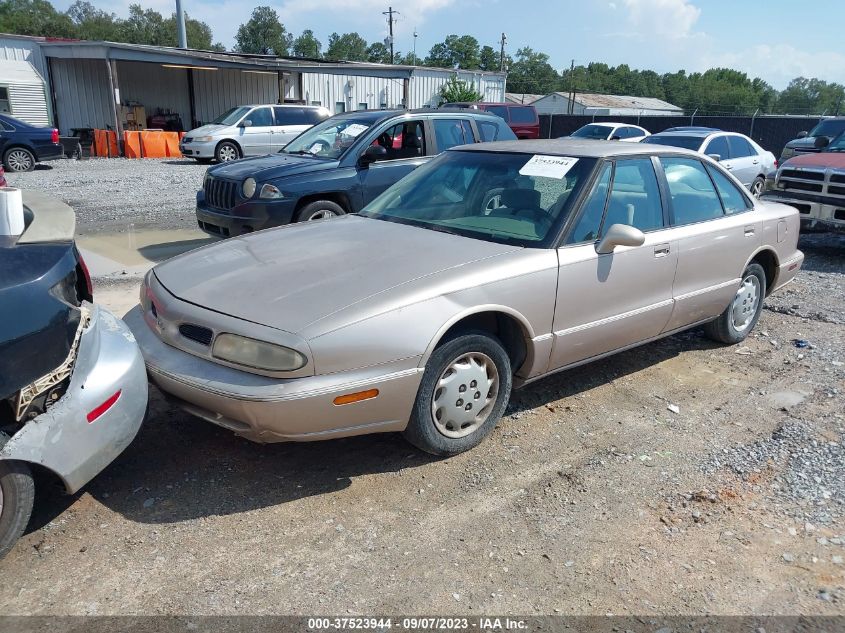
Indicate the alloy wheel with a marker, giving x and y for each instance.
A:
(19, 160)
(227, 153)
(321, 214)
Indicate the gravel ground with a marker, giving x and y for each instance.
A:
(109, 194)
(681, 477)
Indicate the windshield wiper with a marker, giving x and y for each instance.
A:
(301, 152)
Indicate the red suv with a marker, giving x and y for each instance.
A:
(522, 119)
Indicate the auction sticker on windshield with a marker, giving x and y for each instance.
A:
(354, 130)
(548, 166)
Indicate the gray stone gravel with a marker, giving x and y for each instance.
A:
(109, 194)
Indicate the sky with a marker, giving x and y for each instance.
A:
(776, 40)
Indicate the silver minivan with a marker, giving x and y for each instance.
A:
(250, 130)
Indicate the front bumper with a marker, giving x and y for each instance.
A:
(266, 409)
(62, 439)
(815, 215)
(246, 217)
(198, 150)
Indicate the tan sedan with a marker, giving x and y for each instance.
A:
(490, 267)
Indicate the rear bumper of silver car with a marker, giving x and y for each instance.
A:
(265, 409)
(99, 414)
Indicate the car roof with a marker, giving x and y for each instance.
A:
(575, 147)
(283, 105)
(376, 116)
(699, 132)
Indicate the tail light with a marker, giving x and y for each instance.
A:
(86, 275)
(54, 137)
(777, 164)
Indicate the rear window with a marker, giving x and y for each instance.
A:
(523, 114)
(687, 142)
(299, 116)
(501, 111)
(494, 130)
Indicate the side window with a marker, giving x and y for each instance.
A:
(634, 196)
(523, 114)
(261, 117)
(634, 132)
(469, 137)
(740, 148)
(5, 105)
(501, 111)
(693, 197)
(733, 200)
(449, 133)
(298, 116)
(586, 229)
(403, 140)
(719, 145)
(487, 130)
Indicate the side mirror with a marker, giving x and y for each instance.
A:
(620, 235)
(372, 154)
(246, 123)
(802, 134)
(821, 142)
(716, 157)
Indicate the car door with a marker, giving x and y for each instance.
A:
(606, 302)
(744, 159)
(408, 146)
(715, 237)
(256, 138)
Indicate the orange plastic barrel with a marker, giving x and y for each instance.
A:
(100, 145)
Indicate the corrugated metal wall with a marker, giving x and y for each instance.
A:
(24, 50)
(352, 91)
(426, 84)
(156, 88)
(217, 91)
(29, 103)
(82, 93)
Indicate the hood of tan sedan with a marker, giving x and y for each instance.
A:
(288, 278)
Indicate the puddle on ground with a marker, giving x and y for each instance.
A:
(144, 246)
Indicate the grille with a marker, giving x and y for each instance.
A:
(196, 333)
(794, 185)
(835, 190)
(803, 175)
(220, 193)
(837, 178)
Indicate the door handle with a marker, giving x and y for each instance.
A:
(749, 231)
(755, 162)
(728, 165)
(661, 251)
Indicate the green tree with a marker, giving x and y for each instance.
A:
(488, 59)
(34, 17)
(197, 33)
(349, 47)
(811, 96)
(456, 91)
(263, 34)
(378, 53)
(531, 72)
(455, 52)
(307, 45)
(93, 23)
(143, 27)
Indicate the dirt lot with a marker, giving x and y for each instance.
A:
(591, 497)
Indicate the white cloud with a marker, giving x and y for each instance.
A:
(781, 62)
(670, 19)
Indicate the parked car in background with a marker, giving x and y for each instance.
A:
(806, 141)
(23, 145)
(737, 153)
(608, 131)
(336, 167)
(814, 184)
(3, 182)
(435, 305)
(73, 386)
(250, 130)
(522, 119)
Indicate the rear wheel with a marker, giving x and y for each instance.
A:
(19, 159)
(17, 492)
(462, 396)
(757, 186)
(740, 317)
(319, 210)
(226, 152)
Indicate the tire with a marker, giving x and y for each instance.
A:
(319, 210)
(757, 186)
(431, 427)
(740, 317)
(17, 493)
(18, 159)
(226, 152)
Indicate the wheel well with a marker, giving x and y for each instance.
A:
(504, 327)
(233, 142)
(12, 146)
(334, 196)
(768, 260)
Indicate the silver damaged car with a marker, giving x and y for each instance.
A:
(488, 268)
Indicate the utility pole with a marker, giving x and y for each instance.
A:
(502, 53)
(180, 25)
(390, 20)
(571, 108)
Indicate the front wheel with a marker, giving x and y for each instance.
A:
(740, 317)
(17, 492)
(757, 186)
(319, 210)
(227, 152)
(462, 396)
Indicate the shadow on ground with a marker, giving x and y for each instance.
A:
(181, 468)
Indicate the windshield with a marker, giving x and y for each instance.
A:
(687, 142)
(600, 132)
(505, 198)
(329, 139)
(831, 127)
(230, 117)
(836, 145)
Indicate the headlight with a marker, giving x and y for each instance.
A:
(270, 192)
(249, 187)
(787, 153)
(203, 139)
(256, 354)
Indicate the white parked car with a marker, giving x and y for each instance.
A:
(251, 130)
(736, 152)
(609, 131)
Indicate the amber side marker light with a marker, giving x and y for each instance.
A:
(349, 398)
